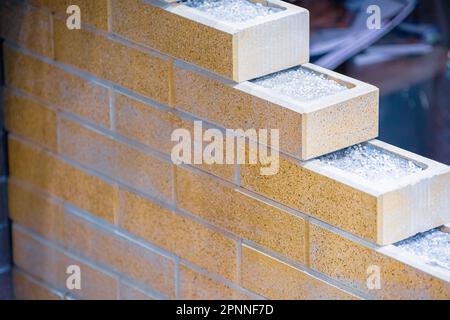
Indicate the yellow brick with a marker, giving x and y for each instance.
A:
(175, 35)
(27, 288)
(196, 286)
(52, 264)
(307, 129)
(117, 160)
(26, 26)
(234, 109)
(351, 263)
(95, 283)
(143, 265)
(317, 195)
(241, 214)
(35, 212)
(27, 118)
(154, 128)
(35, 258)
(383, 213)
(146, 124)
(62, 180)
(139, 71)
(66, 91)
(182, 236)
(274, 279)
(92, 12)
(238, 51)
(128, 292)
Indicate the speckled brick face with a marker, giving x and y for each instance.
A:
(142, 265)
(241, 214)
(181, 235)
(63, 90)
(234, 109)
(274, 279)
(139, 71)
(340, 125)
(153, 127)
(348, 262)
(305, 134)
(27, 118)
(381, 213)
(317, 195)
(27, 288)
(196, 286)
(236, 51)
(26, 26)
(50, 264)
(177, 36)
(36, 212)
(52, 175)
(92, 12)
(136, 168)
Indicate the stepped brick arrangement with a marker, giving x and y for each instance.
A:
(91, 183)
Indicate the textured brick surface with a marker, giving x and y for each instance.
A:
(95, 284)
(28, 288)
(30, 119)
(234, 109)
(36, 212)
(66, 91)
(186, 238)
(383, 213)
(139, 71)
(307, 129)
(349, 263)
(135, 261)
(274, 279)
(117, 160)
(247, 217)
(174, 35)
(26, 26)
(237, 51)
(317, 195)
(92, 12)
(49, 265)
(153, 127)
(61, 179)
(146, 124)
(196, 286)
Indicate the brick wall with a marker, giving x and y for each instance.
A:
(89, 115)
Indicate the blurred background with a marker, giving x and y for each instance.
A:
(408, 58)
